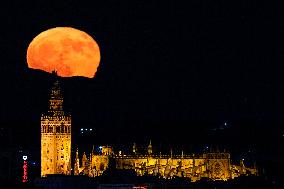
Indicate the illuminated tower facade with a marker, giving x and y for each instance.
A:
(55, 136)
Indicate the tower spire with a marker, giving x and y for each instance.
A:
(84, 160)
(134, 148)
(76, 165)
(150, 150)
(93, 150)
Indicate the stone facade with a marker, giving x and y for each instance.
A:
(55, 136)
(211, 165)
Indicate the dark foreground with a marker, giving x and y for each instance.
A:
(147, 182)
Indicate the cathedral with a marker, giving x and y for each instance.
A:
(213, 165)
(56, 154)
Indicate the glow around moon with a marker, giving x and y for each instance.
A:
(68, 51)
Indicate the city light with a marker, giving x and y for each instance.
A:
(25, 169)
(86, 130)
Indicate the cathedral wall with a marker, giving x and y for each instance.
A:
(219, 169)
(166, 167)
(100, 163)
(215, 166)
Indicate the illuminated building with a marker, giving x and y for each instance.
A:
(212, 165)
(56, 154)
(55, 136)
(25, 169)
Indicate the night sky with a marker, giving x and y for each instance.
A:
(171, 72)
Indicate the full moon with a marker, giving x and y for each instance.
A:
(68, 51)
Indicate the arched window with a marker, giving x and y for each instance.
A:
(50, 129)
(62, 128)
(57, 129)
(68, 129)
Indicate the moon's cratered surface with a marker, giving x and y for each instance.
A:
(68, 51)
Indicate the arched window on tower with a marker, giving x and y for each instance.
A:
(68, 129)
(57, 129)
(62, 128)
(50, 129)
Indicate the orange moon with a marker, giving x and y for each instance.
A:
(68, 51)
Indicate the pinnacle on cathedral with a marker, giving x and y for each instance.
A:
(150, 150)
(76, 163)
(134, 148)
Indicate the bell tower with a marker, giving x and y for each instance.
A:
(55, 136)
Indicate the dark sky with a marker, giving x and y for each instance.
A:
(169, 71)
